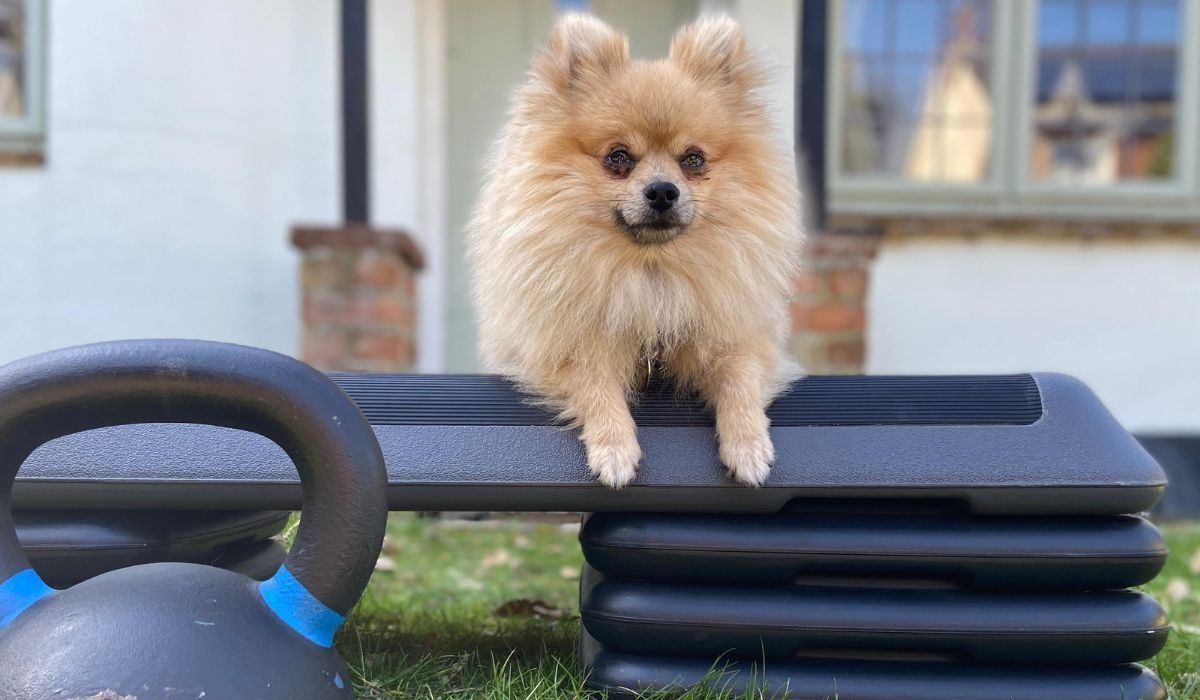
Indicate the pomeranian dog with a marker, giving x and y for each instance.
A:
(640, 214)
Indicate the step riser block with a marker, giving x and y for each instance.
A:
(1089, 553)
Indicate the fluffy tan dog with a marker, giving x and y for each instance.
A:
(638, 213)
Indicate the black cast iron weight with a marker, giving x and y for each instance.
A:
(187, 630)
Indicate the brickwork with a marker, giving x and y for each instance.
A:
(358, 298)
(829, 314)
(829, 311)
(926, 227)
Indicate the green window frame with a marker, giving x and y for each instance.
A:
(1008, 191)
(25, 134)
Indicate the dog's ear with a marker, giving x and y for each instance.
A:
(581, 48)
(713, 48)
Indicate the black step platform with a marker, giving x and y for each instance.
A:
(862, 599)
(913, 593)
(624, 675)
(1021, 444)
(68, 546)
(1101, 627)
(832, 542)
(918, 537)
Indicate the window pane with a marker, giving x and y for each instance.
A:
(1106, 79)
(1158, 22)
(1058, 23)
(917, 89)
(917, 26)
(1108, 22)
(12, 46)
(862, 32)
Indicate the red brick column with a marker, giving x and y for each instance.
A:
(358, 289)
(829, 311)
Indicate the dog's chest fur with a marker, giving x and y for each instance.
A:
(654, 305)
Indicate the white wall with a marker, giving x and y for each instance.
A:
(771, 28)
(184, 139)
(1122, 315)
(408, 148)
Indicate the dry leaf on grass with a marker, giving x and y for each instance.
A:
(1194, 562)
(1177, 589)
(500, 557)
(463, 582)
(523, 607)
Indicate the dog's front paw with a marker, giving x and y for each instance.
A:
(614, 463)
(748, 458)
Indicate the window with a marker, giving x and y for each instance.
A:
(1015, 106)
(917, 90)
(20, 76)
(1105, 91)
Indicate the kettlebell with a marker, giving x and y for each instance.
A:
(173, 630)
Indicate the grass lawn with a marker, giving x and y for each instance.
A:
(486, 611)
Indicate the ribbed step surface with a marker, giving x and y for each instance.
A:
(401, 399)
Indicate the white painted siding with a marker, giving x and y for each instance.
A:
(1122, 315)
(183, 140)
(771, 28)
(408, 148)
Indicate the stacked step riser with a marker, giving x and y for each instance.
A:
(857, 604)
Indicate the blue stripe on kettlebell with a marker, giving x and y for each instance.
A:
(300, 609)
(21, 590)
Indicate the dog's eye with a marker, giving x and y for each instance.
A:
(618, 160)
(692, 161)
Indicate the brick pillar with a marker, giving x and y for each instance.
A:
(358, 288)
(829, 312)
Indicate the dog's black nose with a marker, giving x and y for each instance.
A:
(661, 194)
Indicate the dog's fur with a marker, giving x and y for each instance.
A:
(578, 284)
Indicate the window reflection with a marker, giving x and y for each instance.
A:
(917, 99)
(12, 45)
(1105, 87)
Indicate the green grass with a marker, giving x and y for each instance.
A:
(427, 628)
(1178, 589)
(431, 625)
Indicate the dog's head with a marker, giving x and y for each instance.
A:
(653, 148)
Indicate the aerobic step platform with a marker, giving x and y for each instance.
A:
(866, 679)
(866, 599)
(1020, 444)
(919, 537)
(68, 546)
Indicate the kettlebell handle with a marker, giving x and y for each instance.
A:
(182, 381)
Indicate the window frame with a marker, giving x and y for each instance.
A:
(25, 135)
(876, 188)
(1144, 193)
(1009, 191)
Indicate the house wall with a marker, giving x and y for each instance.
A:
(1115, 306)
(771, 28)
(183, 140)
(408, 149)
